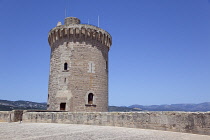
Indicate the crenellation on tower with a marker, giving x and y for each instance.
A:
(78, 78)
(80, 31)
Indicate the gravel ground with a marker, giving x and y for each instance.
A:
(53, 131)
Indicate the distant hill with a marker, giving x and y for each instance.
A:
(6, 105)
(122, 109)
(202, 107)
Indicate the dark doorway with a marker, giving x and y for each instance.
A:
(90, 98)
(63, 106)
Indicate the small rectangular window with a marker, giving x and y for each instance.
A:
(63, 106)
(65, 66)
(91, 67)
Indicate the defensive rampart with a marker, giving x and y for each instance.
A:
(11, 116)
(188, 122)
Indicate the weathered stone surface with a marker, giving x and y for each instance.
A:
(78, 66)
(189, 122)
(11, 116)
(47, 131)
(5, 116)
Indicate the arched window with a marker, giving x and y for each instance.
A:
(65, 66)
(90, 98)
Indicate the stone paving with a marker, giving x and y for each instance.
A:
(53, 131)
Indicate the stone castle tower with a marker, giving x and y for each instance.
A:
(78, 80)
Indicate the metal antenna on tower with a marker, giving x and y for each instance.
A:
(66, 7)
(69, 6)
(65, 12)
(98, 21)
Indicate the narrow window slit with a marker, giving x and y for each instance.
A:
(65, 66)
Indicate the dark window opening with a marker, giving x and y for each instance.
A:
(64, 80)
(63, 106)
(90, 98)
(65, 66)
(106, 65)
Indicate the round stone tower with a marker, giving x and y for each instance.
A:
(78, 80)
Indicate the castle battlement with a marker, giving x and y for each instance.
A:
(72, 29)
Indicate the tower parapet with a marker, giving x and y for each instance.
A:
(72, 29)
(78, 79)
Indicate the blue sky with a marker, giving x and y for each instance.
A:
(160, 52)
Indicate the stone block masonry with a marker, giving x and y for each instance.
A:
(11, 116)
(5, 116)
(188, 122)
(78, 80)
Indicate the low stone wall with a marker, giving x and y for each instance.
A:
(11, 116)
(189, 122)
(17, 115)
(5, 116)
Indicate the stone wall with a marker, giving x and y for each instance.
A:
(5, 116)
(17, 115)
(11, 116)
(189, 122)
